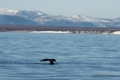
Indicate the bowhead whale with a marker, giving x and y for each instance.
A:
(50, 60)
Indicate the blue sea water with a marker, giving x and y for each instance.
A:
(79, 56)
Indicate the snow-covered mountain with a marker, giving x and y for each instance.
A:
(61, 20)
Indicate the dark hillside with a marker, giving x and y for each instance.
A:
(54, 28)
(15, 20)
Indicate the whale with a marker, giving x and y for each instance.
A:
(50, 60)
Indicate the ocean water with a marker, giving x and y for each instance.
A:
(79, 56)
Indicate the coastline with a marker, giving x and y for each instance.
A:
(67, 32)
(51, 32)
(18, 31)
(59, 29)
(27, 31)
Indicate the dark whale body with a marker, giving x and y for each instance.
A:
(50, 60)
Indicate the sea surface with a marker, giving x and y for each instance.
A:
(78, 56)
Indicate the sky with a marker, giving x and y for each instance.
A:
(91, 8)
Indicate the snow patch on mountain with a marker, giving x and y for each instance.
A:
(8, 12)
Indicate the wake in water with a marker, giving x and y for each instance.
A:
(12, 62)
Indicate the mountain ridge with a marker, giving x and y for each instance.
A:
(41, 18)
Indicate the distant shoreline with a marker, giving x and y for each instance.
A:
(63, 32)
(50, 32)
(27, 31)
(58, 29)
